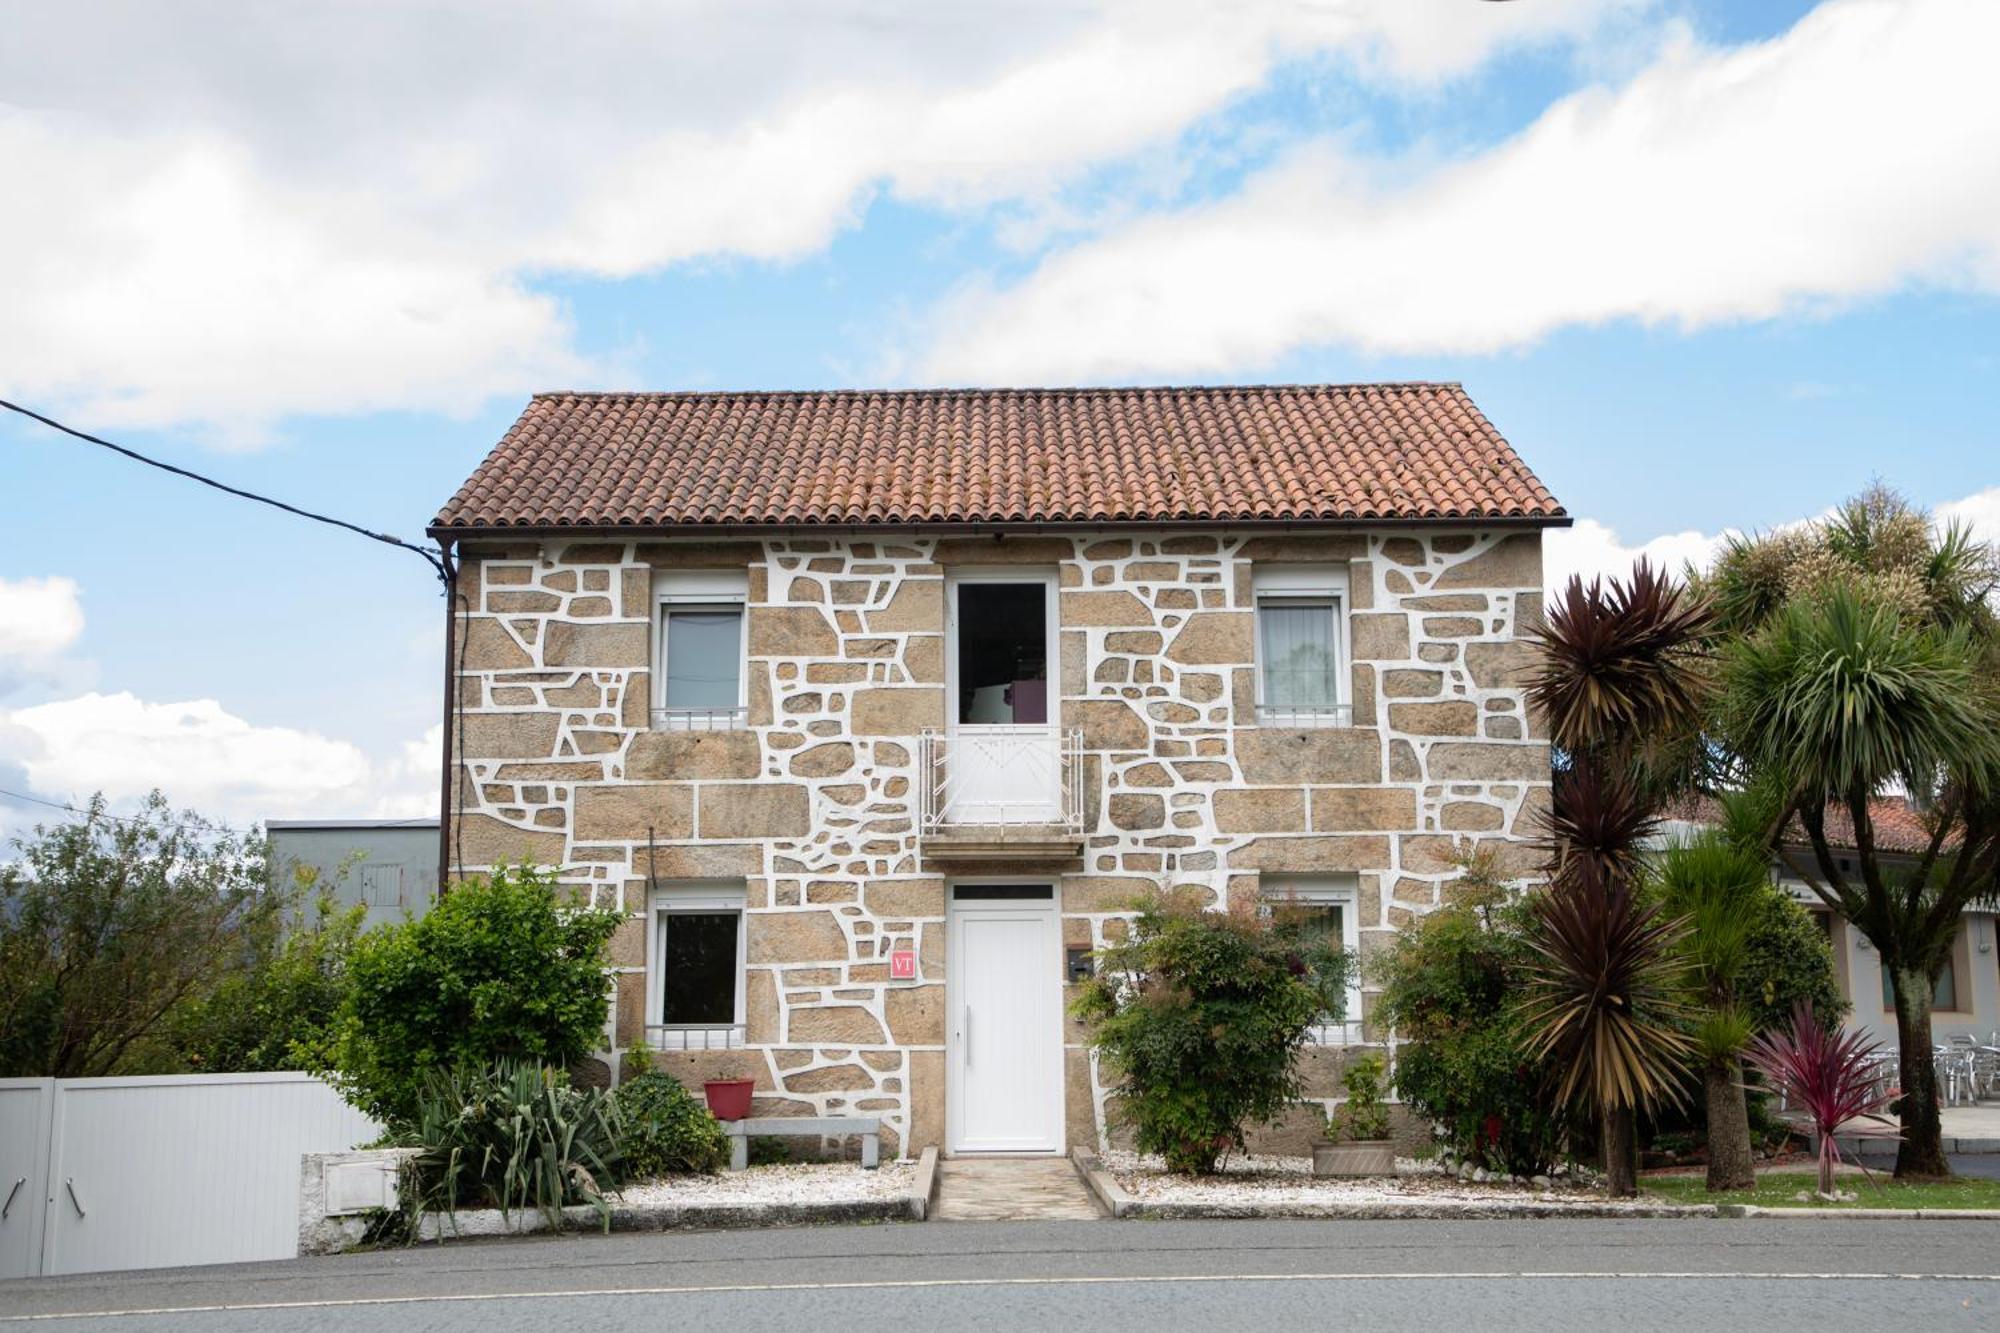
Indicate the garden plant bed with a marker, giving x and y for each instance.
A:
(790, 1195)
(1286, 1187)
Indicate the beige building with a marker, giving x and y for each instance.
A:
(874, 710)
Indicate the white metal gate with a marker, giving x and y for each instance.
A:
(162, 1172)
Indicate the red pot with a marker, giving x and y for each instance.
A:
(728, 1098)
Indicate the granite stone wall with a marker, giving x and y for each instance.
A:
(813, 804)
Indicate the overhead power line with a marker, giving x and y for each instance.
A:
(433, 556)
(75, 810)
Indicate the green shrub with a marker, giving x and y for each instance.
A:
(1790, 962)
(513, 1136)
(1449, 983)
(1363, 1115)
(497, 970)
(667, 1130)
(1201, 1015)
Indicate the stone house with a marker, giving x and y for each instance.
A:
(874, 710)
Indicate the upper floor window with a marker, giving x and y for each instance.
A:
(1302, 645)
(699, 647)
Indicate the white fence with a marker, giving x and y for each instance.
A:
(111, 1173)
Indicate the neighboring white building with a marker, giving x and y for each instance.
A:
(1967, 1001)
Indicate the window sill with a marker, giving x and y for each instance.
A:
(696, 1039)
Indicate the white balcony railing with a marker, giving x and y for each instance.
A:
(699, 719)
(720, 1037)
(995, 775)
(1305, 715)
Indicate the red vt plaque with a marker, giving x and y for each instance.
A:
(903, 965)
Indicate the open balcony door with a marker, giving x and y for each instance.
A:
(1004, 755)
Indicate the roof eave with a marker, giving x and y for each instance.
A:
(449, 533)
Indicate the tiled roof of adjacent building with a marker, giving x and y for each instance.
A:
(1899, 826)
(1329, 453)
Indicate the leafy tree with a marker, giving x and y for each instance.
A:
(499, 970)
(279, 1011)
(108, 925)
(1623, 681)
(1449, 985)
(1202, 1015)
(1866, 662)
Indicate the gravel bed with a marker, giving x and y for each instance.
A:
(795, 1182)
(1253, 1182)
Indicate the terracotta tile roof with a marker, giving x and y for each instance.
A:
(1899, 826)
(1355, 452)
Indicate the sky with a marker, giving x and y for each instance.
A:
(1710, 266)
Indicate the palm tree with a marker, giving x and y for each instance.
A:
(1842, 698)
(1623, 684)
(1717, 886)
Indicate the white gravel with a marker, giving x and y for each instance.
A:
(796, 1182)
(1266, 1181)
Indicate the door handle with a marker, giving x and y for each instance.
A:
(69, 1183)
(8, 1207)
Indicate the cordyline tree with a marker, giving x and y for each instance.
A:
(1721, 888)
(1622, 683)
(1864, 662)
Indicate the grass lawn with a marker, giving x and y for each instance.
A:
(1777, 1189)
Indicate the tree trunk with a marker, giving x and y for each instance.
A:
(1730, 1165)
(1621, 1153)
(1921, 1153)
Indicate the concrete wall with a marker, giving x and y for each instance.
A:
(813, 805)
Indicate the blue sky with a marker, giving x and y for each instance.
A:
(1709, 266)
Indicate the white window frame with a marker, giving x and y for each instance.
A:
(1344, 892)
(694, 588)
(1306, 583)
(705, 896)
(1051, 629)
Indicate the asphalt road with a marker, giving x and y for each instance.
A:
(1103, 1276)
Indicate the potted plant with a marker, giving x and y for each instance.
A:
(1357, 1132)
(728, 1098)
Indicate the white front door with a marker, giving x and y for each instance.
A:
(1005, 984)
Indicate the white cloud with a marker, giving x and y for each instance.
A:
(39, 619)
(1854, 155)
(246, 212)
(1979, 512)
(1591, 549)
(206, 758)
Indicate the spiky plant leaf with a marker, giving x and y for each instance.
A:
(1840, 694)
(1827, 1073)
(1604, 999)
(1622, 664)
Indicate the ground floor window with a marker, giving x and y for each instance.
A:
(1943, 996)
(696, 958)
(1328, 905)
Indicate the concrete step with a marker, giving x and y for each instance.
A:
(1001, 1189)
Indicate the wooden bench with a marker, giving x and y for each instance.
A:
(740, 1132)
